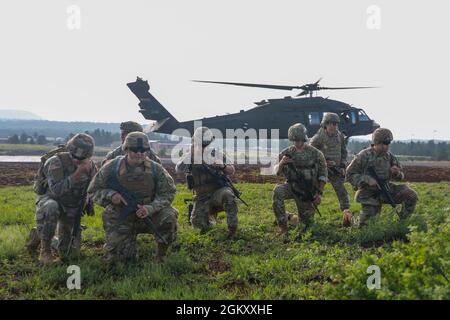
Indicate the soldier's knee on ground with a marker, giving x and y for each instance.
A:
(367, 212)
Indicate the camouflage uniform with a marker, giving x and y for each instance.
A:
(153, 187)
(370, 198)
(311, 163)
(210, 197)
(127, 127)
(59, 205)
(334, 149)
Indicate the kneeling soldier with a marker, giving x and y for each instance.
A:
(137, 194)
(206, 181)
(306, 172)
(370, 173)
(61, 188)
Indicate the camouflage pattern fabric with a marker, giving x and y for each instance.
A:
(121, 234)
(370, 197)
(334, 149)
(58, 207)
(208, 204)
(310, 162)
(332, 146)
(283, 192)
(210, 197)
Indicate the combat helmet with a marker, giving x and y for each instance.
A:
(330, 117)
(136, 141)
(81, 146)
(131, 126)
(203, 136)
(382, 135)
(297, 132)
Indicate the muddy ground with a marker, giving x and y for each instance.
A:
(19, 174)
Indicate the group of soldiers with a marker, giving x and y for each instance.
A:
(136, 192)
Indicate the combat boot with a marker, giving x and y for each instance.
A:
(232, 232)
(45, 256)
(347, 218)
(161, 251)
(33, 241)
(293, 219)
(283, 228)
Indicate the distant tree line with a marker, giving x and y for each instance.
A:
(101, 137)
(27, 139)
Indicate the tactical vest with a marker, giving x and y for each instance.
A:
(73, 197)
(141, 184)
(305, 163)
(203, 181)
(382, 164)
(40, 185)
(331, 146)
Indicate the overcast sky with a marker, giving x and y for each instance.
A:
(81, 74)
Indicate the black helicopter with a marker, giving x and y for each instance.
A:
(267, 114)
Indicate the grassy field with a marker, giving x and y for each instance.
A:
(329, 262)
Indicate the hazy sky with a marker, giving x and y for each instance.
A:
(64, 74)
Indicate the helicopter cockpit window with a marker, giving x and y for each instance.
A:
(353, 117)
(314, 118)
(362, 116)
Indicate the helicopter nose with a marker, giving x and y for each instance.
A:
(375, 126)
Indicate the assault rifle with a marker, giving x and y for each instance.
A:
(77, 223)
(224, 181)
(383, 186)
(132, 204)
(305, 192)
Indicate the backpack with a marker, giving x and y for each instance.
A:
(40, 183)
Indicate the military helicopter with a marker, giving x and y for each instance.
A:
(267, 114)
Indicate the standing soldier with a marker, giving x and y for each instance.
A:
(331, 142)
(210, 194)
(61, 188)
(137, 194)
(125, 129)
(370, 172)
(306, 172)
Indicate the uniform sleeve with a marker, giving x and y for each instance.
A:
(344, 152)
(57, 183)
(164, 193)
(322, 172)
(98, 190)
(355, 173)
(395, 162)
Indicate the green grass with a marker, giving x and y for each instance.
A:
(329, 262)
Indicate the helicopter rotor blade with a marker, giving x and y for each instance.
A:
(317, 82)
(343, 88)
(255, 85)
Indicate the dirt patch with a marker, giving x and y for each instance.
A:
(20, 174)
